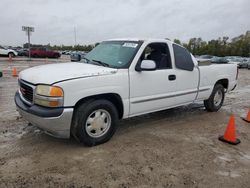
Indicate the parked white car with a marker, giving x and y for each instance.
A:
(7, 52)
(118, 79)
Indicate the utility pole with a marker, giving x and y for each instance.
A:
(28, 31)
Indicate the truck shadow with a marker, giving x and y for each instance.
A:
(169, 115)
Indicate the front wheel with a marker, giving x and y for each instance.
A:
(216, 99)
(56, 56)
(11, 54)
(95, 122)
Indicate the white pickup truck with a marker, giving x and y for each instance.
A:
(118, 79)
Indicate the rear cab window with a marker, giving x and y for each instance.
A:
(183, 59)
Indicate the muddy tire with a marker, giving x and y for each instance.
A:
(94, 122)
(215, 101)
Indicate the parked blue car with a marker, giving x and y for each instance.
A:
(77, 56)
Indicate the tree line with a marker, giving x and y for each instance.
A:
(85, 48)
(238, 46)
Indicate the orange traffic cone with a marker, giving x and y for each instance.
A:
(247, 119)
(14, 72)
(230, 133)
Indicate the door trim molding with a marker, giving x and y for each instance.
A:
(168, 96)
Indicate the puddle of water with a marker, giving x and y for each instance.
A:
(232, 174)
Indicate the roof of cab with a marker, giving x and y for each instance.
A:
(138, 39)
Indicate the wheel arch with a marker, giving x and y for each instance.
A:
(114, 98)
(224, 82)
(9, 53)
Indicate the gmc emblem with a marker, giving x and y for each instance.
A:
(22, 90)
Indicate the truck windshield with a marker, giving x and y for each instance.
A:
(116, 54)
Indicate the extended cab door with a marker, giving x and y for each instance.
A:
(187, 75)
(153, 90)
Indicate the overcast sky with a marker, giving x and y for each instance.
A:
(97, 20)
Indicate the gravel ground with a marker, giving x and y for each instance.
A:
(171, 148)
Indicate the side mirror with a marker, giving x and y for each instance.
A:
(147, 65)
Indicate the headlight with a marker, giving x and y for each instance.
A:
(49, 96)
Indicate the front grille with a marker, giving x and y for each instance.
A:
(26, 91)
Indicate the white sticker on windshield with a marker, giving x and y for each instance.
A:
(130, 45)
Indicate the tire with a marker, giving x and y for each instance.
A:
(11, 54)
(216, 99)
(94, 122)
(56, 56)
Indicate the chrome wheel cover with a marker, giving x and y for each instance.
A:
(98, 123)
(218, 98)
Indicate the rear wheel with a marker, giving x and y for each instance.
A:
(56, 56)
(216, 99)
(95, 122)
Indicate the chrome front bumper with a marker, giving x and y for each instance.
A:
(58, 126)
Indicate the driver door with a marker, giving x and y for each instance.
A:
(153, 90)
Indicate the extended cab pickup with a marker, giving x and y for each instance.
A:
(119, 78)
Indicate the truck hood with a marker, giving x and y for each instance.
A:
(49, 74)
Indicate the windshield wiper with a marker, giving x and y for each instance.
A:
(86, 59)
(101, 63)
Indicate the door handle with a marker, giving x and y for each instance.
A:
(172, 77)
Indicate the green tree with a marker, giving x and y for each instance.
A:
(177, 41)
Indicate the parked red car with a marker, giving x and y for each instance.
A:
(44, 52)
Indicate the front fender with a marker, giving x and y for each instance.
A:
(77, 89)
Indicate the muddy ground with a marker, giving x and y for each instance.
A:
(172, 148)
